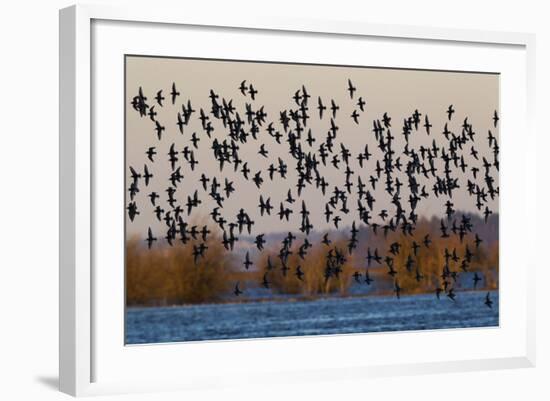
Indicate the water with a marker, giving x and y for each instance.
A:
(297, 318)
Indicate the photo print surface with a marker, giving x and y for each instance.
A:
(273, 199)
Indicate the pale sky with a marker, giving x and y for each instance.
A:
(397, 92)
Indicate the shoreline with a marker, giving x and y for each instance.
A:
(299, 299)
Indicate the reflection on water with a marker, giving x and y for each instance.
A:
(297, 318)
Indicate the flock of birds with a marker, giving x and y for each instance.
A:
(439, 170)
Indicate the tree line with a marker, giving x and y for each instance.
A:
(168, 275)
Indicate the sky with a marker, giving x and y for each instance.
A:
(396, 92)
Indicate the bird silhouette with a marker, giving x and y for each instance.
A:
(174, 93)
(159, 98)
(351, 88)
(247, 262)
(150, 238)
(488, 301)
(243, 88)
(237, 291)
(450, 112)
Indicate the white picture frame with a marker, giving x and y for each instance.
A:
(85, 353)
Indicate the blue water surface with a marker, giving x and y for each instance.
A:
(334, 315)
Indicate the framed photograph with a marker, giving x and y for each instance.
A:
(244, 199)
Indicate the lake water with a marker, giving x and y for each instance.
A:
(298, 318)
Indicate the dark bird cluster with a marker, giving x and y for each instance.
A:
(406, 174)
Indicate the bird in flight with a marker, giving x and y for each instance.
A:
(450, 112)
(237, 291)
(243, 88)
(159, 98)
(351, 89)
(488, 301)
(174, 93)
(247, 262)
(150, 238)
